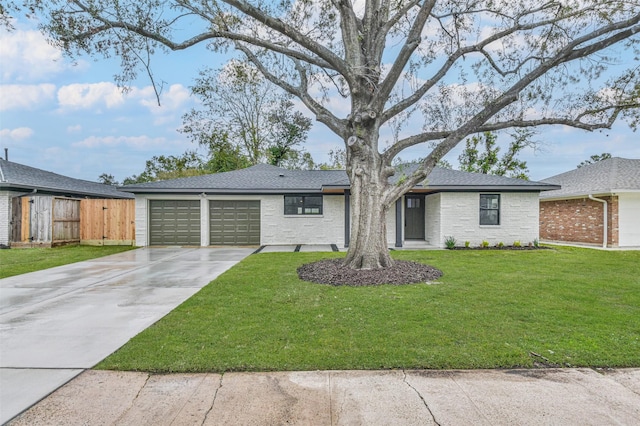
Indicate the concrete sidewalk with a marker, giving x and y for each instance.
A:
(481, 397)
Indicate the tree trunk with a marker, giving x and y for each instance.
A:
(368, 243)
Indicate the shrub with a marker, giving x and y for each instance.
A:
(516, 244)
(500, 244)
(450, 242)
(466, 244)
(485, 244)
(536, 243)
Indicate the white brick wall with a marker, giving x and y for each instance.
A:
(327, 228)
(5, 217)
(447, 214)
(205, 236)
(433, 233)
(460, 218)
(142, 221)
(275, 227)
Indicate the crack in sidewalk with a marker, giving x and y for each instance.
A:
(215, 395)
(603, 373)
(404, 379)
(133, 401)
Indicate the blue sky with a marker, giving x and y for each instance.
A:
(72, 119)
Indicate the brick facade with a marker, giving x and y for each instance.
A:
(579, 220)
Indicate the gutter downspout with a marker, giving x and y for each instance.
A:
(606, 225)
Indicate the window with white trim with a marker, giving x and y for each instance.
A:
(303, 204)
(489, 209)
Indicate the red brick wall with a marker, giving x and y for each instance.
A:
(578, 220)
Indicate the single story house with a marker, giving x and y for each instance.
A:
(598, 204)
(267, 205)
(30, 199)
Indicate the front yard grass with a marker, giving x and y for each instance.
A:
(493, 309)
(20, 261)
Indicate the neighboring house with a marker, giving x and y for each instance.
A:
(267, 205)
(605, 192)
(29, 197)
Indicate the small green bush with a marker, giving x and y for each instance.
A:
(466, 244)
(485, 244)
(500, 244)
(450, 242)
(536, 243)
(517, 244)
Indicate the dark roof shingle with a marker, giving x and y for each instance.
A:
(603, 177)
(15, 176)
(264, 178)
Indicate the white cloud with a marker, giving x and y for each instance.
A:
(90, 95)
(16, 96)
(74, 129)
(137, 142)
(106, 94)
(26, 55)
(173, 99)
(17, 134)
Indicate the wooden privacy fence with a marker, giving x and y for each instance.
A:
(107, 222)
(65, 221)
(44, 221)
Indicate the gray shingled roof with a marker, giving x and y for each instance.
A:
(18, 177)
(448, 179)
(603, 177)
(264, 178)
(261, 178)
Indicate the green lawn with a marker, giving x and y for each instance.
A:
(491, 309)
(21, 261)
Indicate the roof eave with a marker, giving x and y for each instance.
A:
(211, 191)
(583, 194)
(229, 191)
(485, 188)
(31, 188)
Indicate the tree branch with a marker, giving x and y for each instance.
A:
(463, 51)
(411, 44)
(322, 114)
(203, 37)
(291, 33)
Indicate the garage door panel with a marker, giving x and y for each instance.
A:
(174, 222)
(234, 222)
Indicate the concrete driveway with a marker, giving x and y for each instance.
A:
(56, 323)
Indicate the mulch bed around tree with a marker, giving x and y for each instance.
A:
(333, 272)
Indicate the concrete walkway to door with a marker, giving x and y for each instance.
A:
(56, 323)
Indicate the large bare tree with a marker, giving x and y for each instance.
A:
(458, 67)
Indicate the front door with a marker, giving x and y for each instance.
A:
(414, 217)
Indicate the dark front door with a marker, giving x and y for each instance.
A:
(414, 217)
